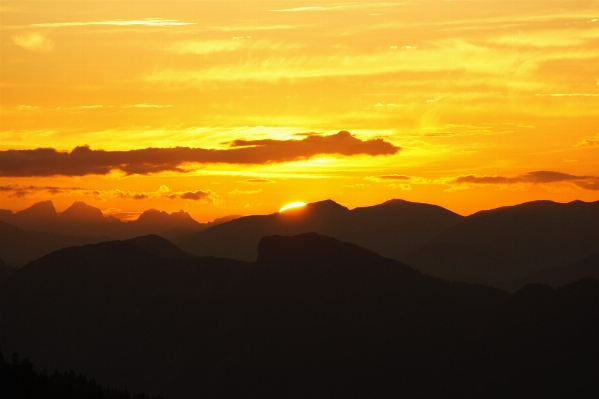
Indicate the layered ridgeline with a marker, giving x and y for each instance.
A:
(312, 317)
(505, 247)
(38, 230)
(391, 229)
(500, 247)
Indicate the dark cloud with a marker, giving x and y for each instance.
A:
(84, 161)
(198, 195)
(20, 191)
(588, 143)
(394, 177)
(537, 177)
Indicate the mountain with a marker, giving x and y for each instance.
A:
(81, 212)
(39, 211)
(17, 247)
(562, 275)
(312, 317)
(504, 245)
(391, 229)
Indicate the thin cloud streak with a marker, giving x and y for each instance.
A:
(537, 177)
(120, 22)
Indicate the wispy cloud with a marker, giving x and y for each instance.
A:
(202, 47)
(245, 192)
(259, 181)
(568, 95)
(458, 56)
(120, 22)
(537, 177)
(148, 106)
(34, 42)
(337, 7)
(592, 142)
(23, 191)
(313, 8)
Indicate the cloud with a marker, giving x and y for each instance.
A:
(20, 191)
(591, 142)
(339, 7)
(259, 181)
(83, 161)
(34, 42)
(202, 47)
(394, 177)
(314, 8)
(198, 195)
(568, 95)
(205, 46)
(148, 106)
(537, 177)
(245, 192)
(120, 22)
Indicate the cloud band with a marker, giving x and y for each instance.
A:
(83, 161)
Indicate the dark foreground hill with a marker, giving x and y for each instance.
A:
(391, 229)
(17, 246)
(502, 246)
(313, 317)
(566, 274)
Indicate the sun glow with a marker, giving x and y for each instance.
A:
(292, 205)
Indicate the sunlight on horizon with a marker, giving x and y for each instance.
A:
(292, 205)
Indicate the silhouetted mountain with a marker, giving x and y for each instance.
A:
(159, 247)
(562, 275)
(17, 247)
(313, 317)
(81, 212)
(391, 229)
(39, 211)
(504, 245)
(155, 217)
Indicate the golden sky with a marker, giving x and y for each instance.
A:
(239, 107)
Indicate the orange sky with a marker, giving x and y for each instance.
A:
(235, 107)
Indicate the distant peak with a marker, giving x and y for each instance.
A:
(42, 209)
(152, 211)
(326, 204)
(80, 211)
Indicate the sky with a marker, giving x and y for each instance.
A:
(240, 107)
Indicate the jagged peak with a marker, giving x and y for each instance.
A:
(40, 209)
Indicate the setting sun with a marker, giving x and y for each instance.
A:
(292, 205)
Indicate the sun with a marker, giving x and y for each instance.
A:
(292, 205)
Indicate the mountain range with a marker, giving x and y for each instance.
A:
(83, 219)
(500, 247)
(311, 317)
(392, 229)
(506, 247)
(38, 230)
